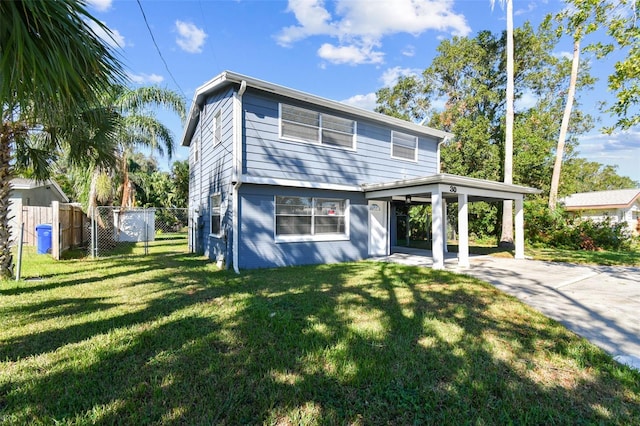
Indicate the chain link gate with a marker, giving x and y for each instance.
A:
(124, 231)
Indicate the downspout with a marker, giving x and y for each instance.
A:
(443, 141)
(237, 169)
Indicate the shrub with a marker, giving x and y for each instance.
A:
(556, 229)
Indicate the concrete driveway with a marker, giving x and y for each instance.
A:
(600, 303)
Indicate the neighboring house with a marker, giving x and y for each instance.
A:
(619, 205)
(280, 177)
(30, 192)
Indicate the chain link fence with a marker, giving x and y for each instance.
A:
(124, 231)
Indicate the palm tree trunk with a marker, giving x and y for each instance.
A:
(555, 178)
(506, 238)
(6, 173)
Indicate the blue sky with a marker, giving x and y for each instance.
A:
(343, 50)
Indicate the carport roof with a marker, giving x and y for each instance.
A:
(405, 186)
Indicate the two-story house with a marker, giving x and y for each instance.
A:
(279, 177)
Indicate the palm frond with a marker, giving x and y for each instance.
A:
(146, 130)
(135, 100)
(50, 58)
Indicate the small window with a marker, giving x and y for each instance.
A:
(215, 214)
(217, 128)
(306, 216)
(305, 125)
(196, 151)
(404, 146)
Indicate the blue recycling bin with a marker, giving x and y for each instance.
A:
(43, 232)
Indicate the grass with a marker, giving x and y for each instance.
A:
(167, 339)
(602, 257)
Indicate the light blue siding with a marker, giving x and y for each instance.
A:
(258, 248)
(211, 174)
(267, 155)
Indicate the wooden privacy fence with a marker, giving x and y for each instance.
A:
(68, 223)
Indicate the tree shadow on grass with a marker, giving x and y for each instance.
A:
(368, 343)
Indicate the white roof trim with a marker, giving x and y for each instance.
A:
(447, 179)
(227, 78)
(300, 184)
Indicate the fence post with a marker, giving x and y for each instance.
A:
(55, 230)
(146, 231)
(19, 265)
(93, 232)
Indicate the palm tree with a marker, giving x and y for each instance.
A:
(53, 72)
(137, 126)
(506, 237)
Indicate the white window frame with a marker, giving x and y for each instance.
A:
(196, 149)
(212, 210)
(415, 138)
(217, 128)
(313, 237)
(321, 129)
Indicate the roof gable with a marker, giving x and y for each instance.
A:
(27, 184)
(227, 78)
(618, 198)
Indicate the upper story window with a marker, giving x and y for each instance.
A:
(404, 146)
(305, 125)
(217, 128)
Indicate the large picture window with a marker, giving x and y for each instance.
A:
(311, 217)
(404, 146)
(305, 125)
(216, 201)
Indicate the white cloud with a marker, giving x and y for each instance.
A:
(113, 38)
(409, 51)
(350, 54)
(360, 25)
(619, 142)
(190, 38)
(564, 54)
(526, 101)
(391, 76)
(367, 101)
(100, 5)
(143, 78)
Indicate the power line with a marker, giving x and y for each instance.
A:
(144, 16)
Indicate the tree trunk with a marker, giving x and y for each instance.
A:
(506, 238)
(557, 166)
(6, 173)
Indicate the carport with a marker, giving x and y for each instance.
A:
(441, 188)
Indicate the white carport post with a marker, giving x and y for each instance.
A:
(437, 249)
(463, 231)
(445, 221)
(519, 237)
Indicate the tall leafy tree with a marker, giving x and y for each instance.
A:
(579, 22)
(468, 75)
(54, 70)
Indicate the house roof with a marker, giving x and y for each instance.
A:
(599, 200)
(23, 183)
(227, 78)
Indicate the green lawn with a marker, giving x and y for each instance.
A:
(168, 339)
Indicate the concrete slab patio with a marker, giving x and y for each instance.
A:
(600, 303)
